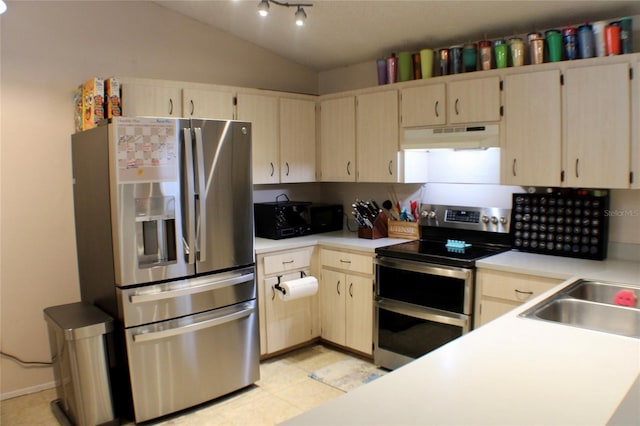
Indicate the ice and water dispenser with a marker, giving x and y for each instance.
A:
(155, 230)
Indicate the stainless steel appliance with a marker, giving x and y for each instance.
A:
(425, 288)
(164, 229)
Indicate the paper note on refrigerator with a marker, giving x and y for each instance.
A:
(146, 149)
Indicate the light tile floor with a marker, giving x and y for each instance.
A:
(283, 391)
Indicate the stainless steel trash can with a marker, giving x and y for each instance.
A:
(78, 339)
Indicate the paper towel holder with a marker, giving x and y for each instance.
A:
(281, 289)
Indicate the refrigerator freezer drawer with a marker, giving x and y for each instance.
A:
(180, 363)
(160, 302)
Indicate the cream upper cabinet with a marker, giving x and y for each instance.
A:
(473, 101)
(151, 100)
(377, 136)
(635, 127)
(338, 140)
(207, 103)
(499, 292)
(263, 113)
(297, 140)
(532, 129)
(423, 106)
(598, 127)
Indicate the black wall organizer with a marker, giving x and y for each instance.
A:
(571, 223)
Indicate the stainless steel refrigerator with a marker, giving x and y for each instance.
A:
(164, 231)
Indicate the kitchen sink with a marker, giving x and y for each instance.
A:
(590, 305)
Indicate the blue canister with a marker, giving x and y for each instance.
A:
(569, 42)
(455, 61)
(586, 42)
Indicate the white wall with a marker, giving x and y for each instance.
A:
(47, 49)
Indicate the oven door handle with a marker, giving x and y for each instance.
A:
(424, 267)
(422, 312)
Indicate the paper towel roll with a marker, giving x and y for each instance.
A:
(296, 289)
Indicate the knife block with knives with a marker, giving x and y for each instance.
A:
(379, 229)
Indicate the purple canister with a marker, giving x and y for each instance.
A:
(569, 36)
(382, 71)
(586, 42)
(443, 54)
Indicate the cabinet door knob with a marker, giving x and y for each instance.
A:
(514, 167)
(338, 287)
(193, 107)
(287, 164)
(577, 167)
(170, 106)
(390, 164)
(273, 169)
(437, 104)
(351, 290)
(348, 168)
(456, 106)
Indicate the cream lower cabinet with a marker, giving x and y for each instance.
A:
(346, 299)
(285, 324)
(498, 292)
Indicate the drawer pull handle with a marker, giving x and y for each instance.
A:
(524, 292)
(345, 261)
(284, 262)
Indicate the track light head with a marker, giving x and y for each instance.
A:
(263, 8)
(301, 16)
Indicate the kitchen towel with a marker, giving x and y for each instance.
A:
(297, 289)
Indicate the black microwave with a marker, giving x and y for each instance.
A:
(325, 217)
(278, 220)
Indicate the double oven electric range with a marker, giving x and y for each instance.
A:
(425, 288)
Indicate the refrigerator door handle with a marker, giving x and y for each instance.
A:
(187, 291)
(190, 248)
(202, 198)
(245, 311)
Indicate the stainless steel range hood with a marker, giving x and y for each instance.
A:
(451, 137)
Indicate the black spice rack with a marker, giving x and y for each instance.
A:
(565, 223)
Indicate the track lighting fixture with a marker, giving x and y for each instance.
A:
(300, 15)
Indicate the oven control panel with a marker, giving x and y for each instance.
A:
(487, 219)
(572, 224)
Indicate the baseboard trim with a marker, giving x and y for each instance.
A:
(26, 391)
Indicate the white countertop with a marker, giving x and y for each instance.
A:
(511, 371)
(563, 267)
(339, 239)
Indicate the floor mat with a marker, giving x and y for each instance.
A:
(347, 374)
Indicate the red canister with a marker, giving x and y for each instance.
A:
(485, 47)
(612, 40)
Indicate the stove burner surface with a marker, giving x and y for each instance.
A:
(438, 252)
